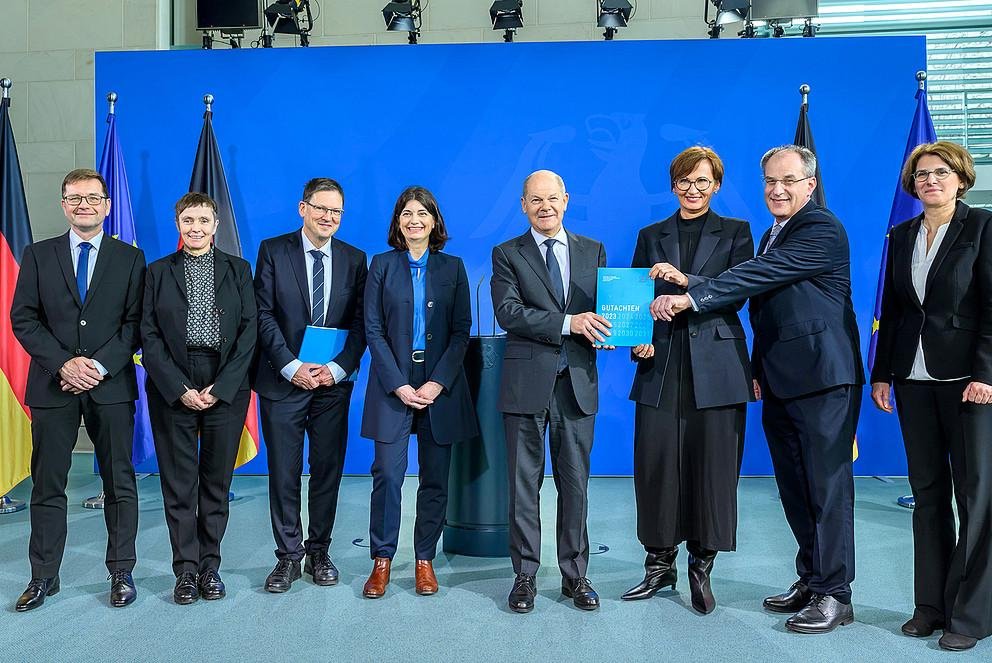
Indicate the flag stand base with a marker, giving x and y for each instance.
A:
(907, 501)
(10, 505)
(96, 502)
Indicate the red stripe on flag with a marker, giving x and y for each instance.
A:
(14, 361)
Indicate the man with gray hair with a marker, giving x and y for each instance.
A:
(807, 367)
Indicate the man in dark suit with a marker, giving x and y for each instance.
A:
(807, 366)
(307, 278)
(76, 311)
(544, 291)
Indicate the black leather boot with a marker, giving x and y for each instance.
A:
(659, 571)
(700, 565)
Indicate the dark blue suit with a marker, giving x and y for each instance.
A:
(389, 329)
(807, 360)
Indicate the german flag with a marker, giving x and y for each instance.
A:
(15, 235)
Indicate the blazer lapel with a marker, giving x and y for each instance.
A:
(708, 240)
(103, 259)
(222, 270)
(902, 246)
(434, 267)
(178, 270)
(63, 253)
(577, 259)
(669, 242)
(764, 241)
(294, 251)
(339, 276)
(532, 255)
(954, 229)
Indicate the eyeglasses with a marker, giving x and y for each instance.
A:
(320, 210)
(92, 198)
(940, 173)
(701, 183)
(785, 181)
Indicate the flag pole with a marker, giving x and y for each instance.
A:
(9, 504)
(804, 91)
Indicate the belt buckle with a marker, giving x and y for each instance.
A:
(417, 356)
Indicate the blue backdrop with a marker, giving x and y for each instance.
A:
(471, 121)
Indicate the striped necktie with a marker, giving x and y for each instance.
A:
(317, 293)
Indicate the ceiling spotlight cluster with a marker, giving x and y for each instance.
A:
(775, 17)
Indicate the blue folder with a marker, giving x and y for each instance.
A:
(623, 296)
(322, 344)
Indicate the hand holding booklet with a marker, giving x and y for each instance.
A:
(623, 296)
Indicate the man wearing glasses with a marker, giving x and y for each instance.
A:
(76, 311)
(807, 367)
(307, 277)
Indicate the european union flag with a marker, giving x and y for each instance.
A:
(904, 206)
(120, 225)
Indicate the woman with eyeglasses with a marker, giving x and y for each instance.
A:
(935, 349)
(691, 387)
(417, 321)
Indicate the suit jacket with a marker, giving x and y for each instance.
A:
(53, 325)
(955, 316)
(805, 332)
(283, 299)
(528, 310)
(163, 325)
(721, 369)
(389, 330)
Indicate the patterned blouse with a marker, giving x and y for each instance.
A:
(202, 318)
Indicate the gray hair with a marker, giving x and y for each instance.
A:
(561, 182)
(807, 156)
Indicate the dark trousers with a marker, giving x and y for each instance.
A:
(570, 439)
(388, 470)
(811, 443)
(322, 414)
(949, 451)
(53, 435)
(196, 452)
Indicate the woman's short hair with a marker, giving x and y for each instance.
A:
(955, 156)
(195, 199)
(687, 160)
(439, 233)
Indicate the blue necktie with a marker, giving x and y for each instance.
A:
(83, 269)
(772, 236)
(554, 270)
(317, 295)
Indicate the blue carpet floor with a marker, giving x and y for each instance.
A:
(468, 619)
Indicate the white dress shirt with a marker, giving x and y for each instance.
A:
(74, 250)
(561, 254)
(922, 262)
(289, 370)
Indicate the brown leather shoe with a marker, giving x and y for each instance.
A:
(426, 580)
(375, 586)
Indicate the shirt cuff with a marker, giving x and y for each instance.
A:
(692, 302)
(289, 370)
(566, 326)
(336, 372)
(99, 367)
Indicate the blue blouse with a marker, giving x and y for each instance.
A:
(418, 272)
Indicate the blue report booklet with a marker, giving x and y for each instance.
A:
(623, 296)
(322, 344)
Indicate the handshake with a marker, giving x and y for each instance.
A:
(666, 307)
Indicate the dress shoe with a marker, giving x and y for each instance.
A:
(211, 586)
(920, 627)
(659, 572)
(581, 592)
(956, 641)
(283, 575)
(522, 595)
(426, 580)
(122, 591)
(792, 600)
(186, 590)
(375, 586)
(823, 614)
(320, 566)
(700, 567)
(36, 592)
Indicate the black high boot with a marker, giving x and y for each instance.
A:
(700, 566)
(659, 571)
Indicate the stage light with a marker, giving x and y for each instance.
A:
(507, 15)
(613, 14)
(809, 30)
(727, 11)
(403, 16)
(288, 17)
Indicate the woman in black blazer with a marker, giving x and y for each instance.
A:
(417, 319)
(198, 337)
(691, 387)
(935, 345)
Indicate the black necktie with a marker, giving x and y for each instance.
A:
(317, 294)
(554, 270)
